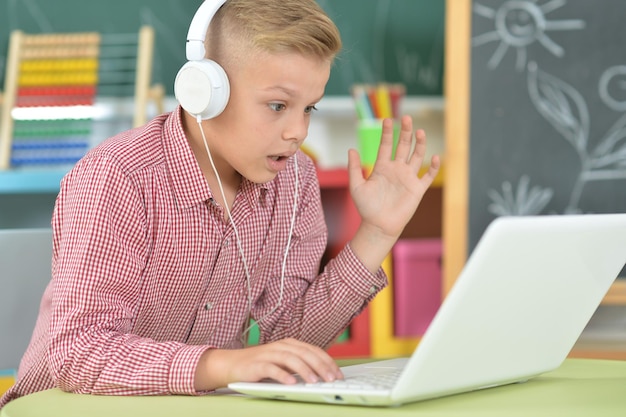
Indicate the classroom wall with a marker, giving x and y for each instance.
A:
(385, 40)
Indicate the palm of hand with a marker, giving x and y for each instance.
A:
(388, 198)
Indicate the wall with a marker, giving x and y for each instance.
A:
(385, 40)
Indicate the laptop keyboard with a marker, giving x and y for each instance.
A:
(379, 380)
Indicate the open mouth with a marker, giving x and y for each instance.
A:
(277, 162)
(278, 158)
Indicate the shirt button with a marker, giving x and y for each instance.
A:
(208, 306)
(373, 289)
(226, 243)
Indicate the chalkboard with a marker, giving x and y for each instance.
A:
(389, 40)
(535, 119)
(548, 109)
(385, 40)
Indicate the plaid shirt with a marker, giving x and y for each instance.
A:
(146, 273)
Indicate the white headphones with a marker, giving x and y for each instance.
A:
(201, 86)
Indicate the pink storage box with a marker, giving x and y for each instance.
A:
(416, 284)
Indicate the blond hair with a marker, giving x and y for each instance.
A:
(242, 27)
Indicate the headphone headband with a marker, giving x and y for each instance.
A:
(201, 86)
(198, 28)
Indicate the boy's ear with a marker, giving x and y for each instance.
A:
(201, 85)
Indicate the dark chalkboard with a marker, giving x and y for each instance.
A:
(535, 119)
(548, 109)
(385, 40)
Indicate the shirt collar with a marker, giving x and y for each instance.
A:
(190, 186)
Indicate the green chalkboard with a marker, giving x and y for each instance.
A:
(385, 40)
(389, 40)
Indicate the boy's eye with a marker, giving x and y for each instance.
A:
(277, 106)
(309, 109)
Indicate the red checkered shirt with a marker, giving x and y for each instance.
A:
(146, 273)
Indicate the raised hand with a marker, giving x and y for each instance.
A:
(389, 196)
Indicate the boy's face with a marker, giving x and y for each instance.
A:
(267, 117)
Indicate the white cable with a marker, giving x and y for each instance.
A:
(291, 225)
(283, 267)
(232, 222)
(239, 246)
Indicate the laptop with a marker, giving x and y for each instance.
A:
(525, 295)
(25, 270)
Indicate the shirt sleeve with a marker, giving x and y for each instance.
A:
(100, 248)
(317, 307)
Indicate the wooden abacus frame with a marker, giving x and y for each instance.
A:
(70, 46)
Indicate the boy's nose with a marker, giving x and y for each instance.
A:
(297, 129)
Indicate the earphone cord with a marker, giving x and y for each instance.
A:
(239, 246)
(219, 183)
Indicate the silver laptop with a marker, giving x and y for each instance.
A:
(25, 270)
(522, 300)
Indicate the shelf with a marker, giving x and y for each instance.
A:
(48, 181)
(30, 182)
(333, 178)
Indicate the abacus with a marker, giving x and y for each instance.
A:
(51, 84)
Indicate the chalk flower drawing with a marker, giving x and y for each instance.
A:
(566, 110)
(525, 202)
(518, 24)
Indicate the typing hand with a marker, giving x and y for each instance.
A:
(277, 360)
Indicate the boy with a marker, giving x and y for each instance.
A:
(168, 238)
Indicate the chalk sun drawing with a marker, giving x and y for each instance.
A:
(519, 24)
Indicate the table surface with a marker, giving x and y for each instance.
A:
(580, 387)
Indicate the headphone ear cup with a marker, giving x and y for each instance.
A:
(202, 88)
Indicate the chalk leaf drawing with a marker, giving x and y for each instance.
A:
(519, 24)
(561, 105)
(566, 110)
(525, 202)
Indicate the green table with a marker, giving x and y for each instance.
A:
(580, 387)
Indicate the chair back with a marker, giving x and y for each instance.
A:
(25, 270)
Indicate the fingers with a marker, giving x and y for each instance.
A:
(420, 148)
(406, 151)
(405, 139)
(428, 178)
(419, 153)
(281, 360)
(385, 149)
(355, 171)
(435, 163)
(310, 362)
